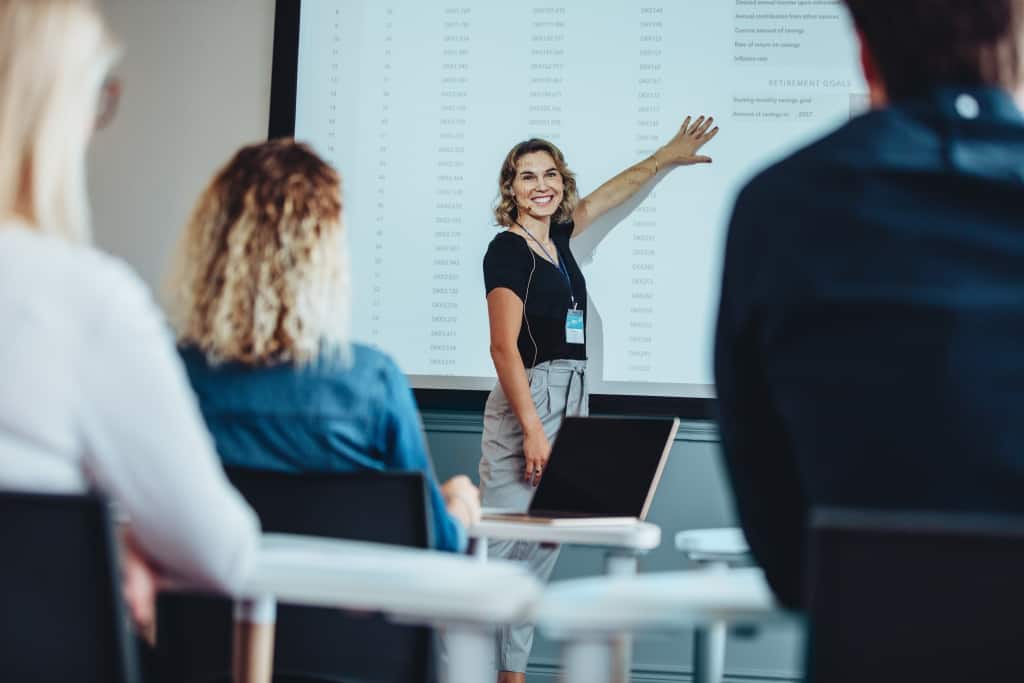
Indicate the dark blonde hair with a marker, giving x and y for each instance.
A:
(506, 211)
(261, 273)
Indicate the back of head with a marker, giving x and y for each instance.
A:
(54, 56)
(261, 274)
(921, 44)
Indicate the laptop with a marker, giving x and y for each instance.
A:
(602, 470)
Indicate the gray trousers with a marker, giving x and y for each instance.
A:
(559, 390)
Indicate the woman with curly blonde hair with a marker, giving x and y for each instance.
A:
(260, 301)
(537, 307)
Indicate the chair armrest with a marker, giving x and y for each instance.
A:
(665, 601)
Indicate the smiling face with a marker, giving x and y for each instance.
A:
(538, 186)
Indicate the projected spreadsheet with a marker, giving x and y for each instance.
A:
(417, 103)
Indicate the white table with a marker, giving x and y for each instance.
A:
(718, 549)
(623, 545)
(589, 614)
(407, 585)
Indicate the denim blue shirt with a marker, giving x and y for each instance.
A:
(320, 417)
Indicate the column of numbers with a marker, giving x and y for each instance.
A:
(643, 247)
(547, 72)
(333, 84)
(383, 174)
(446, 257)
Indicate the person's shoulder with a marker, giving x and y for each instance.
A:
(506, 248)
(838, 148)
(903, 136)
(79, 280)
(370, 362)
(369, 357)
(200, 370)
(358, 365)
(59, 261)
(856, 144)
(562, 231)
(382, 385)
(193, 357)
(121, 294)
(505, 241)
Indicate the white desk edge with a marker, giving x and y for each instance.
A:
(655, 602)
(639, 536)
(411, 584)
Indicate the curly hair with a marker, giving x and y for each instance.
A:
(919, 44)
(506, 211)
(261, 274)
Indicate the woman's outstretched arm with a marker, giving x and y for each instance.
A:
(681, 150)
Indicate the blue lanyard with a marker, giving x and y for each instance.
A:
(561, 262)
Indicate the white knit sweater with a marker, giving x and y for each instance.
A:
(93, 395)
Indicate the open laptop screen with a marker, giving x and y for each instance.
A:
(603, 467)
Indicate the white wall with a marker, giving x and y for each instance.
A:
(196, 79)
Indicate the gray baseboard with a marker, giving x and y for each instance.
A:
(464, 422)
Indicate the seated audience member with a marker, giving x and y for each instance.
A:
(93, 395)
(868, 350)
(260, 291)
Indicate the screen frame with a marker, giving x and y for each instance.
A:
(283, 83)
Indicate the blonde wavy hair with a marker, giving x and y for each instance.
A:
(54, 57)
(506, 211)
(261, 274)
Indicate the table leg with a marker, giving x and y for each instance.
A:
(480, 548)
(709, 642)
(621, 564)
(470, 654)
(709, 653)
(253, 647)
(588, 661)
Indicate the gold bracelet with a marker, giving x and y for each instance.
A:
(656, 168)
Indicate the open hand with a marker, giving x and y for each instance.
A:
(682, 149)
(139, 585)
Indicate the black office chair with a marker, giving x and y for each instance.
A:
(312, 644)
(63, 615)
(915, 597)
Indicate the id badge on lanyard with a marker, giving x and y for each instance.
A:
(574, 326)
(574, 333)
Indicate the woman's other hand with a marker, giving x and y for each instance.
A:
(462, 500)
(537, 450)
(139, 585)
(682, 149)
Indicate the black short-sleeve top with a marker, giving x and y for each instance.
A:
(509, 263)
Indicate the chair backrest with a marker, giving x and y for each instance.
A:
(63, 615)
(914, 596)
(194, 633)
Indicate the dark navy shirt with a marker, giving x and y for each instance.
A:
(870, 346)
(319, 418)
